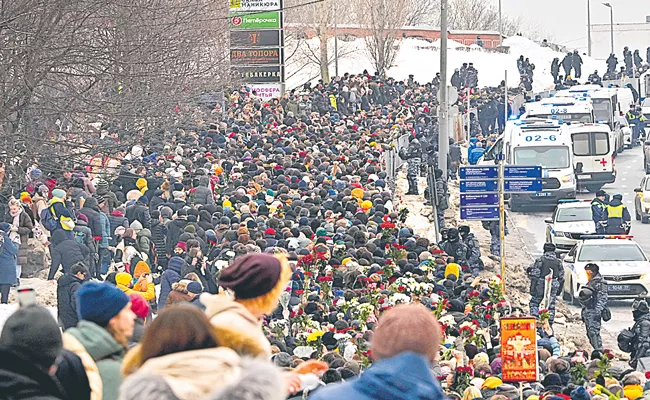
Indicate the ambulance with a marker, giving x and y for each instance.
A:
(593, 155)
(543, 142)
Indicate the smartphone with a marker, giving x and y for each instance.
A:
(26, 296)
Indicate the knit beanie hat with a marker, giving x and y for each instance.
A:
(492, 382)
(141, 268)
(98, 302)
(423, 332)
(59, 193)
(123, 278)
(580, 393)
(252, 275)
(139, 305)
(32, 332)
(194, 287)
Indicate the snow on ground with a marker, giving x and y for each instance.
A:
(422, 59)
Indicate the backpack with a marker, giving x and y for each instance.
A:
(47, 219)
(80, 237)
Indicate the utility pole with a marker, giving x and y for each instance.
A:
(443, 131)
(589, 28)
(611, 24)
(502, 212)
(336, 42)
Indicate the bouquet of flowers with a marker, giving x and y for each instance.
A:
(462, 379)
(402, 214)
(395, 252)
(411, 286)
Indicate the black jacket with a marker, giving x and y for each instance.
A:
(21, 379)
(66, 287)
(139, 212)
(66, 254)
(91, 210)
(71, 374)
(174, 230)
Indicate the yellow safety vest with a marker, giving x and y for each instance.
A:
(615, 211)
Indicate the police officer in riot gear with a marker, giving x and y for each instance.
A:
(593, 297)
(455, 247)
(599, 211)
(618, 216)
(473, 250)
(413, 157)
(547, 264)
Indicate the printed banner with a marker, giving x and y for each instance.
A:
(519, 349)
(262, 20)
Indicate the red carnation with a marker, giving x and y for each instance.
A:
(401, 288)
(299, 292)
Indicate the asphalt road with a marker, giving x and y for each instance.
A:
(531, 225)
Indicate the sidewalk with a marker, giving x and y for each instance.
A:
(569, 328)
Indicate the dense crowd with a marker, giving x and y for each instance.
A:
(283, 263)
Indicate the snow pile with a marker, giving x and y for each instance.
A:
(422, 59)
(7, 309)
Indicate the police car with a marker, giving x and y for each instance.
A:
(571, 219)
(623, 265)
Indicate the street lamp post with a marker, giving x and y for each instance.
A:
(500, 24)
(611, 24)
(589, 28)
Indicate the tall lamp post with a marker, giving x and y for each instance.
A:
(589, 28)
(611, 24)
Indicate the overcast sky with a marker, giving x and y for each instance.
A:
(566, 20)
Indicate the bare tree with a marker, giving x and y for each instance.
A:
(128, 64)
(383, 19)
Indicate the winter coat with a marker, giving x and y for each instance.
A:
(139, 212)
(178, 294)
(143, 244)
(203, 195)
(171, 275)
(456, 249)
(174, 230)
(25, 226)
(159, 239)
(82, 234)
(105, 353)
(106, 231)
(404, 377)
(71, 374)
(243, 378)
(598, 302)
(8, 252)
(21, 379)
(543, 266)
(227, 315)
(66, 304)
(115, 220)
(138, 331)
(66, 254)
(91, 210)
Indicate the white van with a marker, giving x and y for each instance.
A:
(547, 144)
(593, 155)
(562, 109)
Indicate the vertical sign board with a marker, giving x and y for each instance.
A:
(257, 45)
(518, 349)
(479, 200)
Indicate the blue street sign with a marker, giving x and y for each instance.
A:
(523, 185)
(479, 199)
(522, 172)
(479, 172)
(479, 213)
(478, 186)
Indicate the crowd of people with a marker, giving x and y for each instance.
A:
(284, 263)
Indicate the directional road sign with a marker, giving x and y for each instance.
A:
(523, 186)
(479, 172)
(480, 213)
(516, 171)
(484, 186)
(479, 199)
